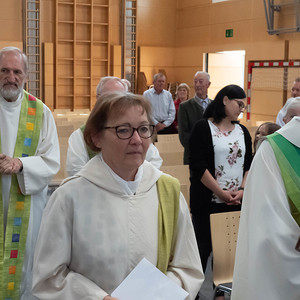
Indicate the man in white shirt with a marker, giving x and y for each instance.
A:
(29, 158)
(79, 154)
(163, 108)
(295, 92)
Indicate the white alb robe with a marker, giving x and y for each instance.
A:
(267, 266)
(77, 155)
(93, 234)
(33, 180)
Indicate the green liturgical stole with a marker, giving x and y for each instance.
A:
(288, 158)
(168, 192)
(12, 248)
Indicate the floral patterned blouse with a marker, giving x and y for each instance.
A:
(229, 149)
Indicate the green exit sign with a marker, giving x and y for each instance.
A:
(229, 33)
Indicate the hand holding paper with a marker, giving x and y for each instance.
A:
(146, 282)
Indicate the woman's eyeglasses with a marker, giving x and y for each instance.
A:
(125, 132)
(241, 104)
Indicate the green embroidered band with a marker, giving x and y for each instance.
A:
(13, 251)
(287, 155)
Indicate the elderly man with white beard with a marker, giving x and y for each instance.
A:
(29, 158)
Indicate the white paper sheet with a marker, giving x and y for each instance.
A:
(146, 282)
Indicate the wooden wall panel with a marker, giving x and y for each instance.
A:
(115, 22)
(11, 26)
(189, 17)
(11, 43)
(294, 46)
(116, 57)
(48, 60)
(230, 12)
(100, 51)
(265, 105)
(267, 50)
(154, 58)
(192, 3)
(156, 23)
(47, 20)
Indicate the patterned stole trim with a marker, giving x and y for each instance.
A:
(168, 189)
(90, 152)
(12, 255)
(288, 158)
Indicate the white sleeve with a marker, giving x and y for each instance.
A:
(279, 119)
(39, 169)
(52, 277)
(282, 112)
(172, 111)
(77, 155)
(153, 157)
(185, 267)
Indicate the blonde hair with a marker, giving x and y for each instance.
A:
(184, 86)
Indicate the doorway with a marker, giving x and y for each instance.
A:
(226, 67)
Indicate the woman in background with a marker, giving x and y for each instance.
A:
(291, 110)
(182, 94)
(263, 130)
(220, 157)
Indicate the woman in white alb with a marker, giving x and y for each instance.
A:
(100, 223)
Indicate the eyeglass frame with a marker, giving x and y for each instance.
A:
(134, 129)
(241, 104)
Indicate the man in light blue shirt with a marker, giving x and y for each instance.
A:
(163, 109)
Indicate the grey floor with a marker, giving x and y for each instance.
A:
(206, 291)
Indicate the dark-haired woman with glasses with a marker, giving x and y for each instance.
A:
(117, 210)
(220, 157)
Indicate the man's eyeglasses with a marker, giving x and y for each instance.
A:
(241, 104)
(125, 132)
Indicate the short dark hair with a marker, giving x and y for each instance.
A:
(111, 104)
(216, 109)
(271, 127)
